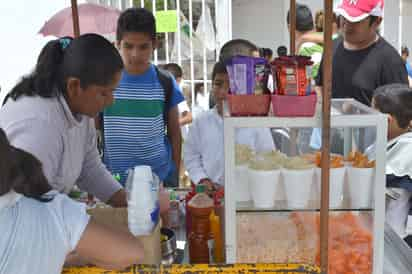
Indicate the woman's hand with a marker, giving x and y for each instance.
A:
(119, 199)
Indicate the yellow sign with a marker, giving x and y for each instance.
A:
(166, 21)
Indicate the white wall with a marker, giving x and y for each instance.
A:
(264, 21)
(261, 22)
(406, 34)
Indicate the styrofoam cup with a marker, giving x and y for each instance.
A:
(336, 182)
(242, 183)
(298, 185)
(263, 186)
(360, 182)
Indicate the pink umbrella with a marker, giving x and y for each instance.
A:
(92, 19)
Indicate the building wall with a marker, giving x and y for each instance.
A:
(264, 21)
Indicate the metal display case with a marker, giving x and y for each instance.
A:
(353, 127)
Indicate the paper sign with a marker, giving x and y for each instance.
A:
(166, 21)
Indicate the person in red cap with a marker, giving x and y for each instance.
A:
(362, 59)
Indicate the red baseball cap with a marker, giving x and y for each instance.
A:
(357, 10)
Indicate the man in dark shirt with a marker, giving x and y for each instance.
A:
(362, 60)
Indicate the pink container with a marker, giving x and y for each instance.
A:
(294, 106)
(248, 105)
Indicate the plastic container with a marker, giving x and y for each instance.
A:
(263, 187)
(294, 106)
(174, 212)
(336, 182)
(298, 184)
(200, 207)
(142, 188)
(360, 186)
(242, 183)
(248, 105)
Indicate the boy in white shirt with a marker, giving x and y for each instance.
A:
(396, 101)
(204, 148)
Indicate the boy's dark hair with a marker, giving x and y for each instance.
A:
(236, 47)
(90, 58)
(20, 171)
(174, 69)
(136, 20)
(219, 67)
(282, 51)
(373, 19)
(267, 52)
(396, 100)
(304, 18)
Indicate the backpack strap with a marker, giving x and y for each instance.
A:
(166, 80)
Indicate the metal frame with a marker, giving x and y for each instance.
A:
(371, 118)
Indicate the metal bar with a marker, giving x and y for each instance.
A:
(379, 196)
(230, 197)
(326, 123)
(131, 3)
(292, 28)
(142, 3)
(179, 38)
(192, 67)
(166, 38)
(204, 48)
(217, 42)
(75, 17)
(155, 51)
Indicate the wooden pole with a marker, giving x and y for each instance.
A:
(292, 28)
(75, 17)
(326, 106)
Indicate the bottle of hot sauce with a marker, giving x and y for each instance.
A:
(200, 207)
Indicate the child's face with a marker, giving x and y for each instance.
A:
(220, 87)
(136, 50)
(393, 127)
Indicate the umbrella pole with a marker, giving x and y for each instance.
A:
(75, 17)
(326, 94)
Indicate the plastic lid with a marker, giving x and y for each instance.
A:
(143, 173)
(200, 188)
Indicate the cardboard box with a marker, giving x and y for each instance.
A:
(117, 218)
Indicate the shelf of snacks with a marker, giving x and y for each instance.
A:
(272, 197)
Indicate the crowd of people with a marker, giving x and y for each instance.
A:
(48, 129)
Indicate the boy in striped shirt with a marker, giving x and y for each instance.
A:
(135, 125)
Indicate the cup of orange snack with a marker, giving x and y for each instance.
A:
(336, 178)
(361, 173)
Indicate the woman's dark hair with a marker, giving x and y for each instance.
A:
(20, 171)
(136, 20)
(90, 58)
(220, 67)
(396, 100)
(304, 18)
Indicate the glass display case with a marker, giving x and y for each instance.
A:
(272, 189)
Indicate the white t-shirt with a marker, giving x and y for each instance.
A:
(183, 107)
(203, 151)
(37, 236)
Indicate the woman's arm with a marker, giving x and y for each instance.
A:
(109, 248)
